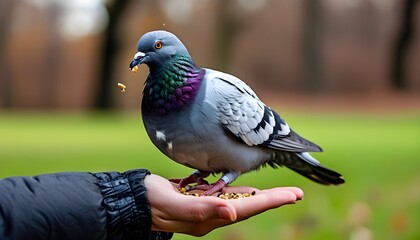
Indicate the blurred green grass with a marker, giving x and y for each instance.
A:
(377, 153)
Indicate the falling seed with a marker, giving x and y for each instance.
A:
(122, 87)
(135, 69)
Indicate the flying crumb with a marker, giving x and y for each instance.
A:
(122, 87)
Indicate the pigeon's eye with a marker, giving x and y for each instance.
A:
(158, 45)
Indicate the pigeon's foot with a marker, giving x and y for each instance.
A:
(210, 189)
(196, 177)
(201, 184)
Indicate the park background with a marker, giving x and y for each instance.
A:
(343, 73)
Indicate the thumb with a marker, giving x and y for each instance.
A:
(209, 208)
(227, 213)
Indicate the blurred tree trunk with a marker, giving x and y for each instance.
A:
(6, 15)
(402, 44)
(52, 56)
(313, 29)
(109, 52)
(227, 28)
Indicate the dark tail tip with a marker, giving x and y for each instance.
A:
(323, 175)
(309, 167)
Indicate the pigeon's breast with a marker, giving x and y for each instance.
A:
(196, 139)
(174, 137)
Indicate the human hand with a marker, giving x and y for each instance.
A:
(197, 216)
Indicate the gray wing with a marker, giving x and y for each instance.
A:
(244, 115)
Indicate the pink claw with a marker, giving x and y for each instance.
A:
(193, 178)
(202, 184)
(212, 188)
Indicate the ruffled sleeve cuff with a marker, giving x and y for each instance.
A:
(128, 209)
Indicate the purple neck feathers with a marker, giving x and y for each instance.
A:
(171, 88)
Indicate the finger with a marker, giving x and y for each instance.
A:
(248, 207)
(244, 189)
(299, 193)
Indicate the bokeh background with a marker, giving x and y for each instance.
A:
(343, 73)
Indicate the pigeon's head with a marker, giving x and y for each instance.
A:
(157, 47)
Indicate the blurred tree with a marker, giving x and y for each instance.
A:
(402, 44)
(110, 47)
(313, 22)
(6, 14)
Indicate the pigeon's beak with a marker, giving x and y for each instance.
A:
(138, 59)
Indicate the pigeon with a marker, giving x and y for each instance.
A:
(213, 122)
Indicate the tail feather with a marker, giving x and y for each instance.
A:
(307, 166)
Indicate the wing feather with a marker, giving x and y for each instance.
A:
(249, 119)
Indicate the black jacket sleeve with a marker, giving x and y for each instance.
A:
(76, 206)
